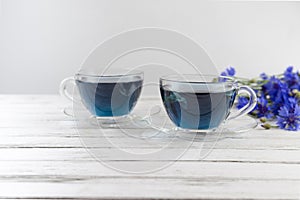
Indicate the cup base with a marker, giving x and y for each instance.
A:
(198, 135)
(68, 111)
(195, 130)
(127, 121)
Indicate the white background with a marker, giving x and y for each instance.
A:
(43, 41)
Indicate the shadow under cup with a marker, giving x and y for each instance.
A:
(111, 96)
(195, 102)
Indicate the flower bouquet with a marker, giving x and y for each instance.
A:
(278, 98)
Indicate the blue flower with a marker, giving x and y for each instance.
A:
(223, 74)
(291, 78)
(230, 71)
(242, 101)
(280, 98)
(289, 115)
(273, 88)
(263, 108)
(264, 76)
(289, 70)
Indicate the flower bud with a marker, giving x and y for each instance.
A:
(266, 126)
(263, 120)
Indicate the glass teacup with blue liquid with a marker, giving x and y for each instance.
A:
(202, 103)
(109, 98)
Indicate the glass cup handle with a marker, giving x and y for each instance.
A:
(249, 106)
(66, 83)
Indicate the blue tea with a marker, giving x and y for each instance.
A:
(108, 99)
(197, 110)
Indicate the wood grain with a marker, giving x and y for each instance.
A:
(42, 157)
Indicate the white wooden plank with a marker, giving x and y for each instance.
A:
(125, 142)
(216, 155)
(72, 132)
(30, 170)
(141, 188)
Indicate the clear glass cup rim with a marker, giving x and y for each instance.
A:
(109, 74)
(185, 78)
(114, 77)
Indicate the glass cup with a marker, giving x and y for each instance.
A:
(108, 98)
(202, 103)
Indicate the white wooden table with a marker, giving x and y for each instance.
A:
(41, 157)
